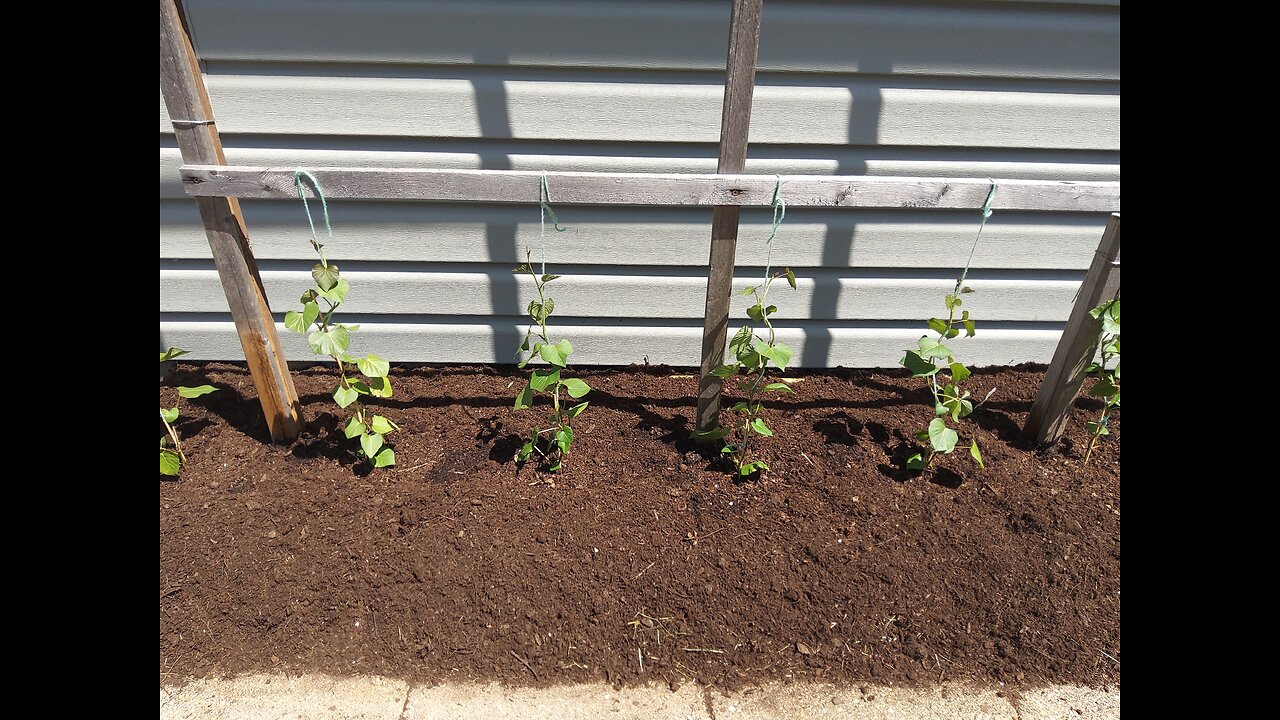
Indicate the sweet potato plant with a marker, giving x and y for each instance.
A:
(552, 443)
(1107, 386)
(172, 458)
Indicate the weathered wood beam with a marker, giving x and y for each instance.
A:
(587, 188)
(193, 125)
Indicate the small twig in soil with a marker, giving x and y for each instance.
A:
(641, 656)
(1117, 662)
(525, 663)
(637, 577)
(704, 650)
(695, 537)
(415, 467)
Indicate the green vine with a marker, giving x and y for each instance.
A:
(173, 458)
(551, 443)
(1107, 385)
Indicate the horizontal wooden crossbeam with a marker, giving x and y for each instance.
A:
(592, 188)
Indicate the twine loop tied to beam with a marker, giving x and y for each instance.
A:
(779, 212)
(298, 175)
(986, 213)
(210, 121)
(544, 209)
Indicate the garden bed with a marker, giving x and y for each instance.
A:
(837, 566)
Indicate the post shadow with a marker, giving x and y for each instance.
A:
(493, 111)
(865, 109)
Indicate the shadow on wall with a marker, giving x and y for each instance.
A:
(865, 107)
(493, 107)
(495, 123)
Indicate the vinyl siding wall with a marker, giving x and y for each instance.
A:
(971, 89)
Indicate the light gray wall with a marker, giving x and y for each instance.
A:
(958, 89)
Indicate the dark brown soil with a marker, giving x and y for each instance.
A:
(837, 566)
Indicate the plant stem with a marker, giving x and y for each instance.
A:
(173, 435)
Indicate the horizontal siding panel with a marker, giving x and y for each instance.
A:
(422, 232)
(820, 295)
(862, 113)
(769, 160)
(987, 39)
(815, 345)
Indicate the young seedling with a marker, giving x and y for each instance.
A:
(173, 458)
(930, 360)
(1107, 386)
(357, 377)
(754, 353)
(552, 443)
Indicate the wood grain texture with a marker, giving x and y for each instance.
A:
(186, 99)
(1071, 165)
(1079, 342)
(568, 188)
(735, 128)
(840, 111)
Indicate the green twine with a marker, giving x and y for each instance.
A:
(779, 212)
(544, 203)
(986, 213)
(315, 242)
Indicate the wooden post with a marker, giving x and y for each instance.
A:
(189, 108)
(735, 122)
(1078, 344)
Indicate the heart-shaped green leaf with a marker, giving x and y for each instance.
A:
(370, 443)
(758, 425)
(380, 387)
(564, 438)
(918, 366)
(930, 348)
(344, 396)
(942, 438)
(170, 415)
(576, 410)
(354, 427)
(575, 387)
(542, 380)
(170, 463)
(779, 387)
(551, 353)
(381, 425)
(326, 276)
(374, 366)
(332, 342)
(338, 292)
(172, 353)
(386, 458)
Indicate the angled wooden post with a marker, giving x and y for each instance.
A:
(1078, 344)
(189, 108)
(735, 122)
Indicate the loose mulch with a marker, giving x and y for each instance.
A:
(643, 560)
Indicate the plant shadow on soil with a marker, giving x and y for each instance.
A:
(443, 567)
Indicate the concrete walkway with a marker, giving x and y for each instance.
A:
(318, 697)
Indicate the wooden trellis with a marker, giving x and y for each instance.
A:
(216, 187)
